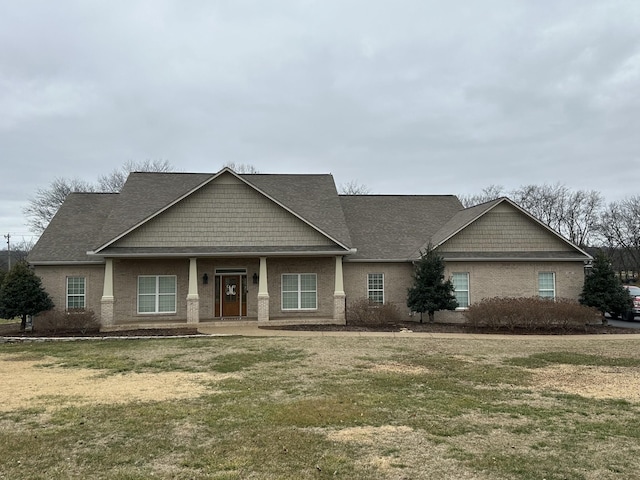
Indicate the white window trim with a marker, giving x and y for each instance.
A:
(299, 291)
(83, 295)
(157, 295)
(553, 275)
(369, 289)
(468, 290)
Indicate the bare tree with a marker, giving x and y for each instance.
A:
(620, 230)
(573, 214)
(44, 205)
(241, 167)
(113, 182)
(46, 202)
(353, 188)
(489, 193)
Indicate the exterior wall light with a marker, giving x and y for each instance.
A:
(205, 279)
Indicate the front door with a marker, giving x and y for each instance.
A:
(231, 296)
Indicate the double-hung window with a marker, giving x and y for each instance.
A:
(299, 291)
(76, 293)
(460, 282)
(547, 285)
(157, 294)
(375, 287)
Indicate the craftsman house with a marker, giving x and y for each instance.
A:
(177, 248)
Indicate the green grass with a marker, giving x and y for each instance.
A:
(328, 407)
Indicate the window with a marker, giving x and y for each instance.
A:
(375, 287)
(547, 285)
(299, 291)
(76, 292)
(157, 294)
(461, 288)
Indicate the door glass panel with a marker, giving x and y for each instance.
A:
(231, 289)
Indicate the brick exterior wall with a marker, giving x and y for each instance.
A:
(397, 280)
(223, 213)
(324, 267)
(54, 281)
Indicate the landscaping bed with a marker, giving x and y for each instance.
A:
(591, 329)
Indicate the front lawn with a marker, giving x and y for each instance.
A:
(321, 407)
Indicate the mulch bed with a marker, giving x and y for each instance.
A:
(13, 329)
(456, 328)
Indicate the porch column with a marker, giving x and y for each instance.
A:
(107, 302)
(193, 299)
(339, 295)
(263, 292)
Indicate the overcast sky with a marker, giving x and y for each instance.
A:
(403, 96)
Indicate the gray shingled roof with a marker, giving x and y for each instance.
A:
(74, 229)
(88, 221)
(380, 227)
(395, 227)
(143, 195)
(312, 197)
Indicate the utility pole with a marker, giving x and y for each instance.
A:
(8, 237)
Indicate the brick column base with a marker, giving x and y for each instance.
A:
(339, 316)
(193, 310)
(107, 311)
(263, 307)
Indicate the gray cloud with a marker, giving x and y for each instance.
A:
(410, 96)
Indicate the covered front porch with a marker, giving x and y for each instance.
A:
(189, 291)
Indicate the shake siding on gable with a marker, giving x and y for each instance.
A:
(504, 229)
(224, 213)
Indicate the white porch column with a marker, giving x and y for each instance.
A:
(107, 302)
(263, 292)
(338, 294)
(193, 299)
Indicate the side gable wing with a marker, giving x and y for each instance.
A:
(501, 229)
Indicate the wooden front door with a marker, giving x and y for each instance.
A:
(231, 293)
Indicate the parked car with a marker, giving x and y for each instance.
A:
(635, 310)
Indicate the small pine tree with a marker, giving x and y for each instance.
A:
(603, 290)
(21, 294)
(430, 291)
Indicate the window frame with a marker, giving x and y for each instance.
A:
(299, 291)
(82, 295)
(457, 290)
(375, 290)
(158, 295)
(552, 289)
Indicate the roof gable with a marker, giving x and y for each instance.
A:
(225, 211)
(502, 227)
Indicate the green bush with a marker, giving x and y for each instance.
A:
(530, 313)
(363, 312)
(70, 321)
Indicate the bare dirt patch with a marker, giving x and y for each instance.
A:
(591, 381)
(26, 383)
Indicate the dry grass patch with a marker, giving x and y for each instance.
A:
(400, 368)
(591, 381)
(25, 382)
